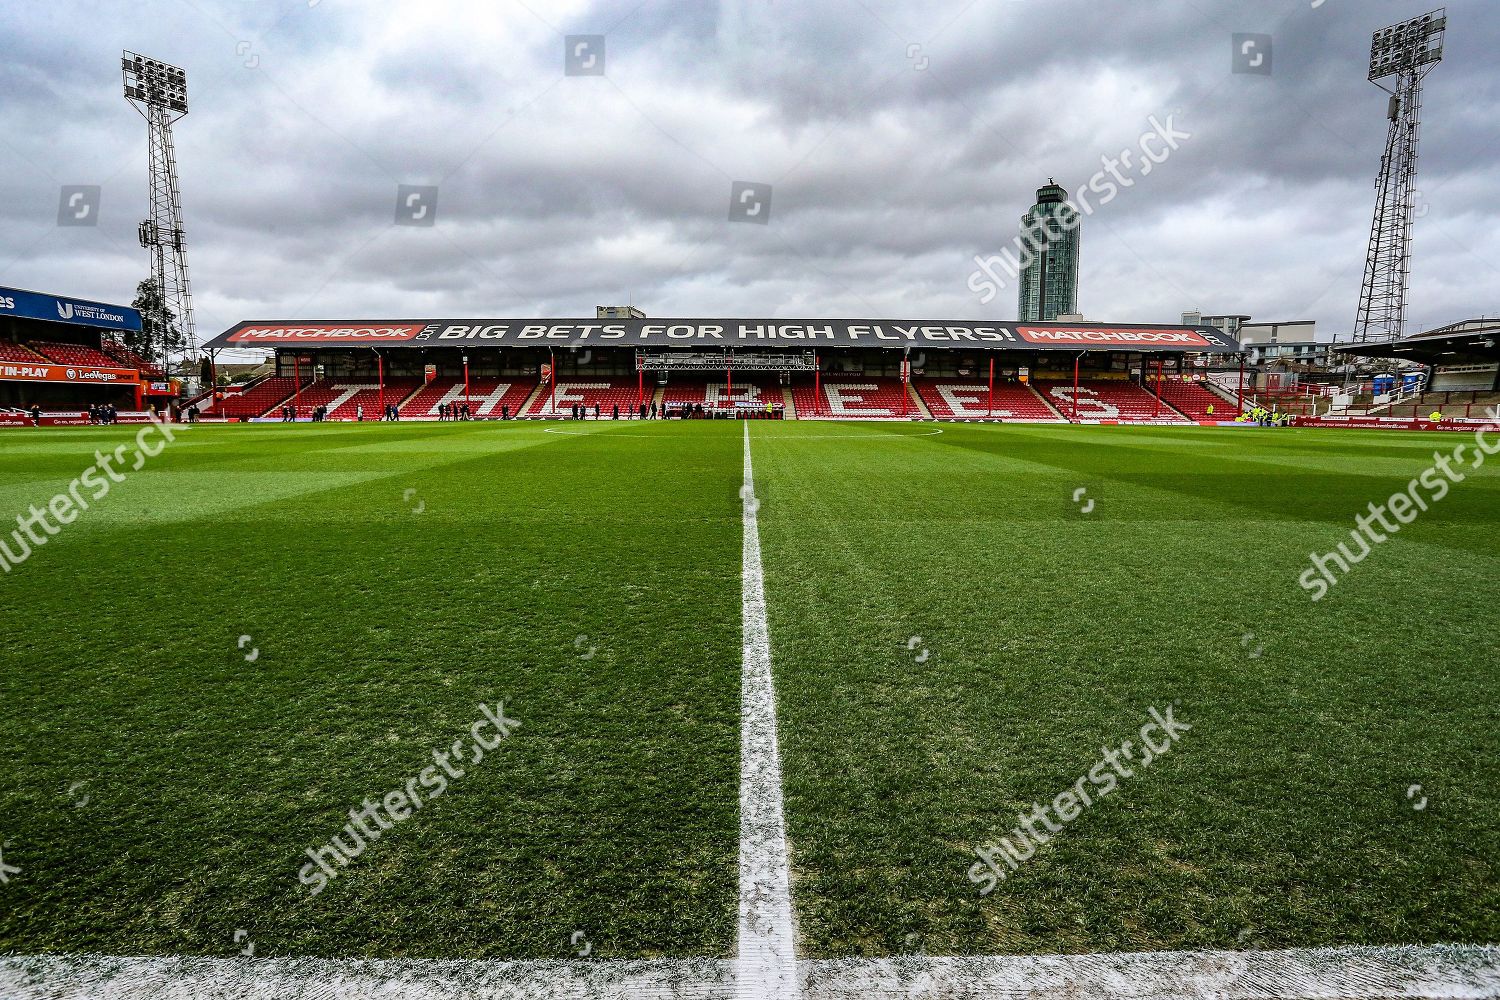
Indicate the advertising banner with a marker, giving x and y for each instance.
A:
(81, 312)
(702, 334)
(76, 374)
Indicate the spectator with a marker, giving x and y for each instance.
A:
(596, 411)
(504, 411)
(617, 412)
(359, 413)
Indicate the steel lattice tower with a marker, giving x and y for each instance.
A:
(1405, 52)
(159, 92)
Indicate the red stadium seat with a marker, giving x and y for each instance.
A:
(127, 358)
(75, 354)
(853, 397)
(969, 399)
(1193, 399)
(15, 352)
(344, 395)
(750, 394)
(253, 402)
(605, 393)
(1109, 399)
(486, 396)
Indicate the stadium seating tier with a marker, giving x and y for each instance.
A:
(868, 397)
(488, 397)
(714, 392)
(75, 354)
(605, 393)
(1108, 399)
(10, 351)
(344, 395)
(254, 401)
(1193, 400)
(969, 399)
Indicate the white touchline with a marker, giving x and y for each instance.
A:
(767, 966)
(56, 976)
(1429, 972)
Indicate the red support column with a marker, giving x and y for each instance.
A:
(466, 385)
(1076, 358)
(552, 389)
(817, 387)
(380, 378)
(729, 373)
(640, 387)
(992, 386)
(140, 403)
(297, 389)
(1156, 407)
(1241, 393)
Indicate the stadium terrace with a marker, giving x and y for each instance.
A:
(778, 368)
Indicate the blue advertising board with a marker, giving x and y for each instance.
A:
(57, 309)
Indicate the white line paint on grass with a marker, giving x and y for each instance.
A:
(105, 977)
(1434, 972)
(767, 944)
(1437, 972)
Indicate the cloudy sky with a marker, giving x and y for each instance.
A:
(899, 141)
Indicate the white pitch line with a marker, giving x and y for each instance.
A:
(107, 977)
(1428, 972)
(767, 965)
(1432, 972)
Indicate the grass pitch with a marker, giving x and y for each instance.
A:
(160, 788)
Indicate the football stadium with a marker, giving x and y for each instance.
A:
(763, 655)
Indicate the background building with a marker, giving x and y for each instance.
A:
(1229, 323)
(1049, 281)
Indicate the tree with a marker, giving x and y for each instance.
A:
(159, 335)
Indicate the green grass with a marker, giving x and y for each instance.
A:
(612, 811)
(1281, 819)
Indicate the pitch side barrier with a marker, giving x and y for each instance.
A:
(1395, 423)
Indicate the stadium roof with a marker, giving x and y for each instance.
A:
(698, 334)
(1465, 342)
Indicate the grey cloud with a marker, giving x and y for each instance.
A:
(559, 193)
